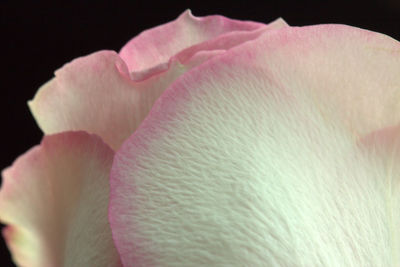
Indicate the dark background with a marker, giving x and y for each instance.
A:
(38, 38)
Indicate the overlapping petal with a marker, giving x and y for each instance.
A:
(54, 199)
(384, 146)
(98, 93)
(157, 45)
(252, 158)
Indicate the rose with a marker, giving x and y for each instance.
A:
(62, 220)
(224, 143)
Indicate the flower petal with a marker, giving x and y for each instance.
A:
(384, 146)
(238, 164)
(55, 199)
(226, 41)
(96, 93)
(353, 75)
(157, 45)
(189, 56)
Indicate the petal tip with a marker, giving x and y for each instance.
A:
(280, 21)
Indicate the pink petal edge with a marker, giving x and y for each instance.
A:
(157, 45)
(54, 199)
(99, 95)
(208, 134)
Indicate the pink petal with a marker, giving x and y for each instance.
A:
(247, 159)
(385, 141)
(96, 93)
(189, 58)
(159, 44)
(228, 40)
(54, 199)
(384, 146)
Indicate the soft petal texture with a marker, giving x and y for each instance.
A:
(157, 45)
(223, 43)
(189, 55)
(54, 199)
(385, 145)
(252, 158)
(97, 93)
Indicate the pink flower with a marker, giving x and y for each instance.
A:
(215, 142)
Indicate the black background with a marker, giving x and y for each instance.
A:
(38, 38)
